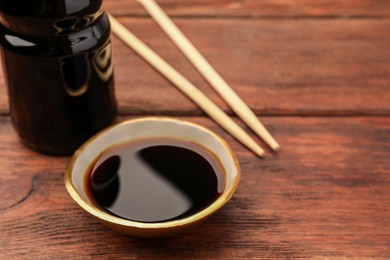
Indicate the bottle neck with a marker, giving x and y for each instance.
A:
(47, 18)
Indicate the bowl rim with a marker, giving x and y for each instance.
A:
(96, 212)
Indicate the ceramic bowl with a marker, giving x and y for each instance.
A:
(150, 127)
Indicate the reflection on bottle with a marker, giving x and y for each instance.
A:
(73, 23)
(66, 25)
(103, 64)
(72, 6)
(89, 19)
(76, 72)
(18, 41)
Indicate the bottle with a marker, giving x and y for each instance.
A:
(58, 66)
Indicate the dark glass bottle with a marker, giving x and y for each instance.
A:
(58, 66)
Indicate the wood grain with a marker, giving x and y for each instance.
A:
(319, 72)
(325, 196)
(258, 9)
(279, 67)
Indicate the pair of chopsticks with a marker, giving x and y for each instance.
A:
(207, 71)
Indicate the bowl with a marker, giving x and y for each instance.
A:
(149, 127)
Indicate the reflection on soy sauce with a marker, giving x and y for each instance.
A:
(155, 180)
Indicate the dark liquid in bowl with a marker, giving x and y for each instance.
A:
(155, 180)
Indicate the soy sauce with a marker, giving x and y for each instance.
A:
(58, 68)
(155, 180)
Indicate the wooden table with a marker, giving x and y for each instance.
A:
(318, 75)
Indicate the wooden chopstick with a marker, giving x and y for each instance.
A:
(184, 85)
(208, 72)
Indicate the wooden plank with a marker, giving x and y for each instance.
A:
(256, 8)
(4, 104)
(279, 67)
(325, 196)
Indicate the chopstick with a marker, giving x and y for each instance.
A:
(208, 72)
(184, 85)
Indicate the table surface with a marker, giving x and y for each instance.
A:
(317, 73)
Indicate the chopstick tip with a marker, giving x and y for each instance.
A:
(276, 147)
(259, 152)
(272, 143)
